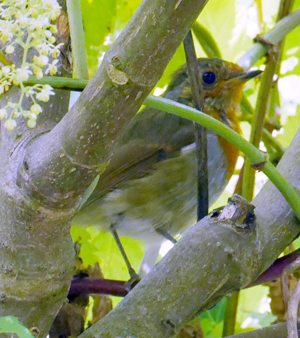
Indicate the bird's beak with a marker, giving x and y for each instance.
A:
(244, 77)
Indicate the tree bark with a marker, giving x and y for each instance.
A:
(46, 170)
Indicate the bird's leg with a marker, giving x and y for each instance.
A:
(166, 235)
(134, 277)
(150, 257)
(152, 250)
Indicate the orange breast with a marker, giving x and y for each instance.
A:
(231, 152)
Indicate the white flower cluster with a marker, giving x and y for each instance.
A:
(28, 24)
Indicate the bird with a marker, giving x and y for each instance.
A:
(149, 189)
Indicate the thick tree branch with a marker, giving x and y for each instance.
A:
(44, 171)
(213, 258)
(36, 249)
(82, 143)
(274, 331)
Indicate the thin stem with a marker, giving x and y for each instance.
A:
(77, 39)
(257, 126)
(259, 14)
(79, 85)
(262, 104)
(58, 82)
(200, 131)
(230, 314)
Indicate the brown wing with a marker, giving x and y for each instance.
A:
(152, 137)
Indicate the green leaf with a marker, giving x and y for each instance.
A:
(99, 246)
(10, 324)
(212, 320)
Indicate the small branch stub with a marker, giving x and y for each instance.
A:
(237, 212)
(263, 41)
(259, 166)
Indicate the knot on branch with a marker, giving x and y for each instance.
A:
(117, 76)
(263, 41)
(169, 326)
(237, 212)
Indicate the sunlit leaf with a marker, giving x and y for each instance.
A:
(10, 324)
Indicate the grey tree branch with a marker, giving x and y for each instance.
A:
(45, 171)
(82, 143)
(274, 331)
(35, 244)
(213, 258)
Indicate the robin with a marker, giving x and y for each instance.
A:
(148, 190)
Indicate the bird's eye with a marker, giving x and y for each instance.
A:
(209, 78)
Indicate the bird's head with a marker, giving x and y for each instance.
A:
(222, 83)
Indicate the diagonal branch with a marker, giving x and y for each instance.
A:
(217, 256)
(82, 143)
(45, 171)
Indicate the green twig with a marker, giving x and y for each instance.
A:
(206, 40)
(259, 14)
(79, 85)
(230, 314)
(257, 126)
(59, 82)
(280, 30)
(262, 104)
(77, 39)
(256, 156)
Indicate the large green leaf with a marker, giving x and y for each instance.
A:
(10, 324)
(212, 320)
